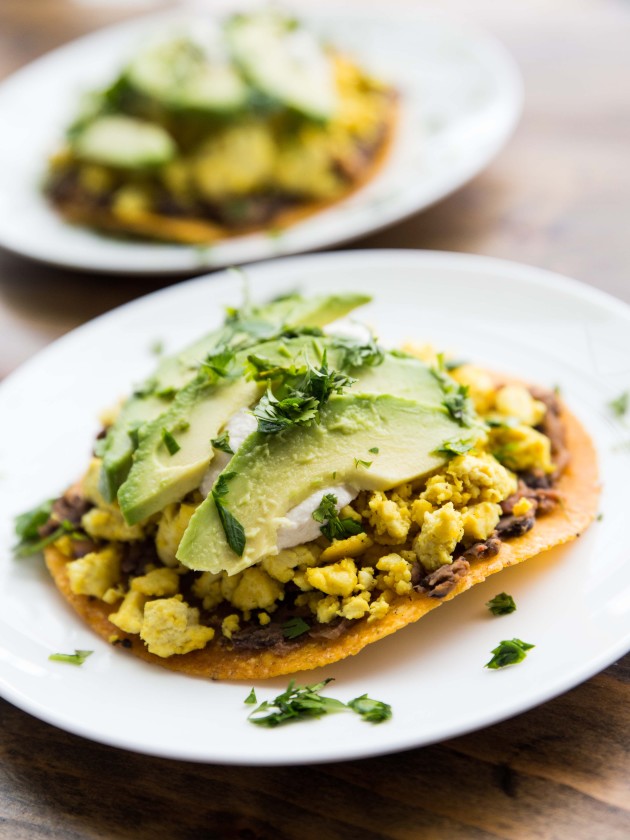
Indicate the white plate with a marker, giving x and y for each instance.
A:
(573, 602)
(461, 97)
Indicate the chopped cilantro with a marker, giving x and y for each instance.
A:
(223, 443)
(599, 517)
(501, 604)
(456, 446)
(374, 711)
(295, 627)
(27, 524)
(157, 347)
(299, 397)
(169, 442)
(335, 528)
(76, 658)
(359, 463)
(508, 652)
(296, 703)
(305, 701)
(275, 414)
(374, 450)
(217, 365)
(251, 698)
(619, 406)
(458, 404)
(355, 354)
(232, 528)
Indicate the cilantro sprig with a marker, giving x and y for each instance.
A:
(355, 354)
(299, 397)
(27, 527)
(333, 527)
(300, 702)
(508, 652)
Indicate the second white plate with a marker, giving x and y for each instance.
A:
(460, 99)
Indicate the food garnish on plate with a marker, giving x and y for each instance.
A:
(218, 128)
(281, 494)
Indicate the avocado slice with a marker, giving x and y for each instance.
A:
(202, 408)
(195, 417)
(251, 323)
(271, 474)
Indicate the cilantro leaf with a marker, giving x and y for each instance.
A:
(458, 404)
(27, 524)
(335, 528)
(76, 658)
(275, 414)
(27, 527)
(296, 703)
(619, 406)
(217, 365)
(232, 528)
(501, 604)
(295, 627)
(356, 354)
(455, 446)
(169, 442)
(251, 698)
(359, 463)
(508, 652)
(374, 711)
(222, 443)
(374, 450)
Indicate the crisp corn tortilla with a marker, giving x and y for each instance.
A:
(199, 231)
(578, 484)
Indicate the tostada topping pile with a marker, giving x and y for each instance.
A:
(278, 488)
(218, 127)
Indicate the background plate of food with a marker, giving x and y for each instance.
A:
(571, 601)
(214, 140)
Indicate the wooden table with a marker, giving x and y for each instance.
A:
(558, 197)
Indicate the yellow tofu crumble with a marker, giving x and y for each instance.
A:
(410, 529)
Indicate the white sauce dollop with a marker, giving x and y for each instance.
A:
(240, 426)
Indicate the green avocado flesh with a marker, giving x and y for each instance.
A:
(274, 473)
(157, 478)
(175, 372)
(196, 416)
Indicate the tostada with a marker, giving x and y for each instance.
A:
(281, 494)
(218, 128)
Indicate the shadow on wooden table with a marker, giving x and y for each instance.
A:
(542, 774)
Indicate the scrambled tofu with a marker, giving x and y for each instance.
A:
(95, 573)
(440, 533)
(170, 626)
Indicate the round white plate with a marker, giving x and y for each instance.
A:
(461, 97)
(573, 602)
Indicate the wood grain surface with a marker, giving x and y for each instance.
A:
(559, 197)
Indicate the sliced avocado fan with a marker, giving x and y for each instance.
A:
(152, 398)
(272, 473)
(159, 475)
